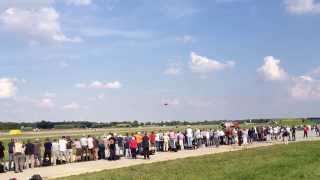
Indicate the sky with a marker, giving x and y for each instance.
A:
(123, 60)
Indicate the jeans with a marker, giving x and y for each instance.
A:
(146, 152)
(158, 145)
(127, 152)
(11, 161)
(189, 139)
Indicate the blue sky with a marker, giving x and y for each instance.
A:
(114, 60)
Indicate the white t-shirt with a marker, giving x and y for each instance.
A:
(90, 142)
(62, 144)
(77, 144)
(84, 141)
(157, 138)
(189, 132)
(55, 146)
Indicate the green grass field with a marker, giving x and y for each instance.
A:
(286, 162)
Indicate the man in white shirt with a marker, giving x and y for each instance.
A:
(90, 146)
(189, 137)
(63, 148)
(84, 145)
(18, 152)
(55, 151)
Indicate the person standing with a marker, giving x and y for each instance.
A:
(305, 132)
(84, 146)
(189, 136)
(47, 152)
(216, 138)
(145, 146)
(69, 149)
(90, 147)
(286, 135)
(245, 137)
(102, 149)
(37, 153)
(133, 147)
(78, 147)
(127, 140)
(18, 151)
(55, 151)
(181, 138)
(63, 148)
(240, 139)
(172, 141)
(2, 149)
(11, 153)
(152, 138)
(165, 142)
(29, 153)
(293, 133)
(112, 148)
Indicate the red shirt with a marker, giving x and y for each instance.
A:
(133, 144)
(152, 138)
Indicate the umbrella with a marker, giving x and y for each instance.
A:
(15, 132)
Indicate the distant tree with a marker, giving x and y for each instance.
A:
(45, 125)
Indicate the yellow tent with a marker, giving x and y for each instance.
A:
(15, 132)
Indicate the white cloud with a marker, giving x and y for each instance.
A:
(39, 24)
(271, 69)
(110, 85)
(302, 6)
(63, 65)
(79, 2)
(45, 103)
(305, 87)
(203, 64)
(50, 95)
(173, 102)
(80, 85)
(185, 39)
(101, 96)
(71, 107)
(172, 71)
(8, 87)
(100, 85)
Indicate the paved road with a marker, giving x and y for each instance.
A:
(94, 166)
